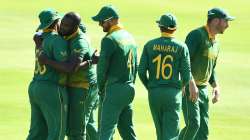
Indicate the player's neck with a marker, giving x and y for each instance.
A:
(74, 34)
(212, 30)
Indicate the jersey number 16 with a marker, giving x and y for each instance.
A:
(162, 65)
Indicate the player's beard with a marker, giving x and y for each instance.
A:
(221, 27)
(105, 29)
(69, 32)
(106, 26)
(65, 33)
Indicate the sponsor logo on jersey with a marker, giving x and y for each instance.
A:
(63, 53)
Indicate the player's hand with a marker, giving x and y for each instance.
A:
(216, 95)
(194, 91)
(42, 59)
(38, 39)
(95, 57)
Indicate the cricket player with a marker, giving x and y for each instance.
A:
(204, 50)
(47, 93)
(166, 60)
(116, 72)
(82, 86)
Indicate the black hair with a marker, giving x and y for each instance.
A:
(209, 20)
(75, 17)
(164, 29)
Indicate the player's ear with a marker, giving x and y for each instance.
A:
(114, 21)
(216, 21)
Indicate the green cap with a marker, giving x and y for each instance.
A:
(168, 21)
(219, 13)
(47, 17)
(106, 13)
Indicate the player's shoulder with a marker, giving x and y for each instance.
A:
(178, 42)
(110, 39)
(81, 40)
(152, 42)
(59, 40)
(116, 35)
(196, 33)
(52, 36)
(81, 35)
(49, 39)
(119, 38)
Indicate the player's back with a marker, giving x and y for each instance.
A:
(55, 48)
(164, 56)
(122, 67)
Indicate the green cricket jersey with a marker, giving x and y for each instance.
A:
(166, 61)
(79, 45)
(55, 48)
(118, 58)
(203, 51)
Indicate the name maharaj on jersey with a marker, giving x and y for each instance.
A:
(164, 48)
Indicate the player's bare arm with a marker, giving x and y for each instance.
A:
(38, 39)
(215, 92)
(194, 92)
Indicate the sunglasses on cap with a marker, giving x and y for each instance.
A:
(103, 21)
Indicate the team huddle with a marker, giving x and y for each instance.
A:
(71, 79)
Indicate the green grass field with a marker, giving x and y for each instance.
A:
(229, 119)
